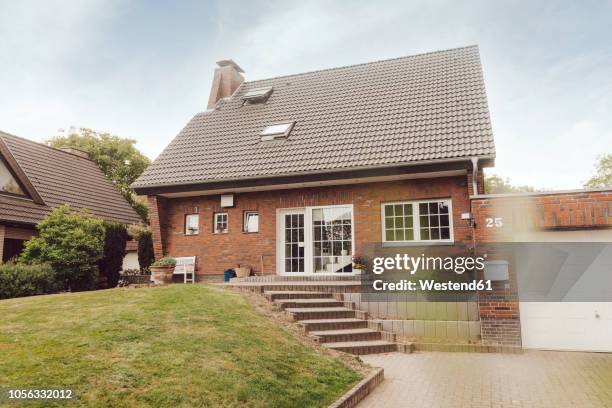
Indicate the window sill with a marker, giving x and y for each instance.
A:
(220, 232)
(191, 235)
(417, 243)
(250, 232)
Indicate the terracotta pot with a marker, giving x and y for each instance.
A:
(243, 271)
(162, 274)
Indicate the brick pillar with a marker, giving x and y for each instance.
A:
(157, 218)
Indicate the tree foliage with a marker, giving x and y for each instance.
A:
(110, 264)
(496, 185)
(72, 243)
(117, 157)
(603, 176)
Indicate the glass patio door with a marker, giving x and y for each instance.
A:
(332, 239)
(293, 244)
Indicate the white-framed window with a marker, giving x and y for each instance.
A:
(251, 221)
(417, 221)
(220, 223)
(192, 224)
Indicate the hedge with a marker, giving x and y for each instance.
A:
(17, 280)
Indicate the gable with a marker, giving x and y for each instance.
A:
(8, 182)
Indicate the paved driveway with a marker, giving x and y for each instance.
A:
(533, 379)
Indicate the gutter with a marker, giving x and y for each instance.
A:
(140, 188)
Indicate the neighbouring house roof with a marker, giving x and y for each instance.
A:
(53, 177)
(427, 107)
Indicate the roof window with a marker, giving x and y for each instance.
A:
(277, 131)
(257, 95)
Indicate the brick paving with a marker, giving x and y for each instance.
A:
(533, 379)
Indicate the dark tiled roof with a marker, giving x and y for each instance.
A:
(60, 177)
(424, 107)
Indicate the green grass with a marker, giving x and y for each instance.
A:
(181, 345)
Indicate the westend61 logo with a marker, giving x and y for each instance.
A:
(429, 265)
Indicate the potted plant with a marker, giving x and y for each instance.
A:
(358, 264)
(243, 271)
(162, 270)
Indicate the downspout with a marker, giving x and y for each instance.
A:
(474, 175)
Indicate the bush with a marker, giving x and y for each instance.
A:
(167, 261)
(72, 243)
(17, 280)
(145, 250)
(114, 251)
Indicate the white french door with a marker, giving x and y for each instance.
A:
(315, 240)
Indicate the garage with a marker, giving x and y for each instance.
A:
(558, 287)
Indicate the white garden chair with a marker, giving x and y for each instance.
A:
(185, 266)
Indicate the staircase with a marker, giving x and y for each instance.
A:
(333, 322)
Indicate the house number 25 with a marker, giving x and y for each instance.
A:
(494, 222)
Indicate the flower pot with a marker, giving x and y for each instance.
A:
(162, 274)
(243, 271)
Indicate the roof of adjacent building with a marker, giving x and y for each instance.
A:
(56, 177)
(426, 107)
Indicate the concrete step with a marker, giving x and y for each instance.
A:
(296, 294)
(346, 335)
(333, 324)
(308, 313)
(307, 303)
(363, 347)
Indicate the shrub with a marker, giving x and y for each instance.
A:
(114, 251)
(145, 245)
(167, 261)
(72, 243)
(17, 280)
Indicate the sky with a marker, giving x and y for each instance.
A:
(142, 69)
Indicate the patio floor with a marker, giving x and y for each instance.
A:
(532, 379)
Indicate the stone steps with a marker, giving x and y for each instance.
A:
(333, 324)
(283, 294)
(308, 313)
(320, 308)
(346, 335)
(308, 303)
(363, 347)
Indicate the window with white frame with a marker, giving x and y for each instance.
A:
(412, 221)
(251, 221)
(220, 223)
(192, 226)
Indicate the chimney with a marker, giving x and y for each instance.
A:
(226, 80)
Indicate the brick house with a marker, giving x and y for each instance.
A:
(35, 179)
(294, 175)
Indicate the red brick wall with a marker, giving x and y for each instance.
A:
(541, 212)
(217, 252)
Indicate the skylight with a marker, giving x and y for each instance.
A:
(256, 95)
(277, 131)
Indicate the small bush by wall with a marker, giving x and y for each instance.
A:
(17, 280)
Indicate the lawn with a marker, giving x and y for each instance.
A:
(180, 345)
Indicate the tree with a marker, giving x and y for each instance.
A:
(117, 157)
(497, 185)
(72, 243)
(110, 264)
(145, 245)
(603, 176)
